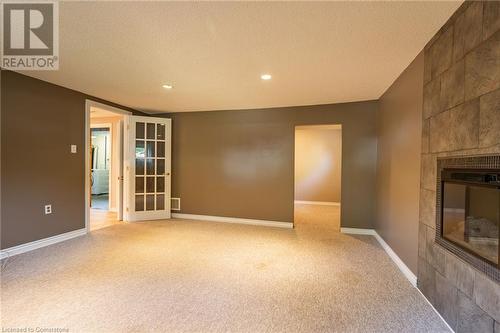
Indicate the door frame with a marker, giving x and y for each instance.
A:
(88, 105)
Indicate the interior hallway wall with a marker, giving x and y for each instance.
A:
(39, 122)
(398, 163)
(318, 158)
(240, 163)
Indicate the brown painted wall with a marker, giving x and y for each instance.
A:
(318, 161)
(398, 165)
(241, 163)
(39, 122)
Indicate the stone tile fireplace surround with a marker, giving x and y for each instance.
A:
(461, 117)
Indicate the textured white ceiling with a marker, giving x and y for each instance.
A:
(214, 52)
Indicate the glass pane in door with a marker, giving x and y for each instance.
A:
(160, 132)
(139, 203)
(160, 166)
(150, 131)
(160, 201)
(150, 148)
(139, 166)
(150, 184)
(160, 184)
(150, 202)
(139, 130)
(139, 149)
(150, 166)
(160, 149)
(139, 184)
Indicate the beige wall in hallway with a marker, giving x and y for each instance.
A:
(318, 157)
(398, 163)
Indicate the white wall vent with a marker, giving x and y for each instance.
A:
(175, 203)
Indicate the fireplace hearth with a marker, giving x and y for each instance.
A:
(468, 210)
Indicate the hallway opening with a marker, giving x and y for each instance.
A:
(105, 155)
(318, 166)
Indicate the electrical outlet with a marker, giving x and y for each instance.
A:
(48, 209)
(73, 149)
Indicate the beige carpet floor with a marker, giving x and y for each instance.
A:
(187, 276)
(311, 217)
(102, 219)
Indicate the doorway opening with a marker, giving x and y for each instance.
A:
(101, 166)
(317, 178)
(104, 181)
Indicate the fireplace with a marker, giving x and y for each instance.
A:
(468, 210)
(471, 211)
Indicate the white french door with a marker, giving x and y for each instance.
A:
(147, 168)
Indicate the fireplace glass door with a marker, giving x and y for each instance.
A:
(471, 218)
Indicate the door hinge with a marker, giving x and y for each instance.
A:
(126, 209)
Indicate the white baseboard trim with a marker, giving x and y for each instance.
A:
(437, 312)
(401, 265)
(238, 220)
(15, 250)
(357, 231)
(321, 203)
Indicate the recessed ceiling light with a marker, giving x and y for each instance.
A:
(167, 86)
(266, 76)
